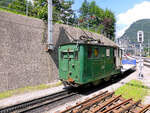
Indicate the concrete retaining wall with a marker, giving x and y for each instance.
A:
(23, 61)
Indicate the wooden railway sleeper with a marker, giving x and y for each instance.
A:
(89, 102)
(116, 109)
(108, 102)
(79, 104)
(112, 108)
(127, 107)
(93, 102)
(143, 110)
(137, 108)
(119, 108)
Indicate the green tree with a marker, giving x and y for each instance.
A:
(61, 10)
(96, 16)
(84, 10)
(21, 5)
(97, 19)
(109, 24)
(66, 12)
(5, 3)
(84, 14)
(40, 9)
(56, 10)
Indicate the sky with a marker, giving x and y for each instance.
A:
(126, 11)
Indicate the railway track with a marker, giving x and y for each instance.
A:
(106, 102)
(146, 62)
(54, 100)
(147, 65)
(37, 103)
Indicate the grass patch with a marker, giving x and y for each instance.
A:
(10, 93)
(11, 11)
(133, 89)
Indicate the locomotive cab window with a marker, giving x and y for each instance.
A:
(66, 55)
(76, 55)
(107, 52)
(89, 52)
(120, 53)
(115, 52)
(96, 52)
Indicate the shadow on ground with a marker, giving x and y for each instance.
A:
(89, 89)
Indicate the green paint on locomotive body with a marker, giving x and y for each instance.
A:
(84, 63)
(69, 62)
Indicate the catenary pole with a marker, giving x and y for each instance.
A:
(27, 6)
(50, 26)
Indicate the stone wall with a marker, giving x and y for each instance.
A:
(23, 59)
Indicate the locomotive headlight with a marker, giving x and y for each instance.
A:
(70, 73)
(73, 65)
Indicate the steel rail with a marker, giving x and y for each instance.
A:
(29, 105)
(79, 104)
(147, 65)
(146, 60)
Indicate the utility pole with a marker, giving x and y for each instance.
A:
(27, 8)
(50, 25)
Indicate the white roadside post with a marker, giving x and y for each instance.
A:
(140, 39)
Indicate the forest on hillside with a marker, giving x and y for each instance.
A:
(131, 33)
(90, 16)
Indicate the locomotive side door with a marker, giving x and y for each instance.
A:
(69, 65)
(117, 54)
(73, 65)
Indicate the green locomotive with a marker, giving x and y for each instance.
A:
(82, 63)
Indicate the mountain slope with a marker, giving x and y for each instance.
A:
(131, 32)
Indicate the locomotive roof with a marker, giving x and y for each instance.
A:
(66, 33)
(92, 44)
